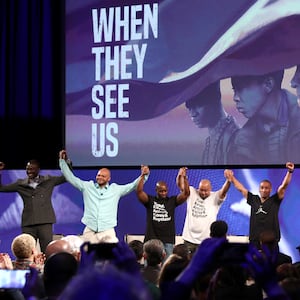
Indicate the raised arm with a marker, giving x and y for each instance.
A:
(286, 180)
(223, 191)
(183, 184)
(230, 177)
(142, 196)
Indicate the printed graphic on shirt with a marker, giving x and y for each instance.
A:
(261, 210)
(198, 209)
(160, 214)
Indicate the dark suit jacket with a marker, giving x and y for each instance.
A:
(38, 207)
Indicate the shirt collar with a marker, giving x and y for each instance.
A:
(35, 180)
(98, 186)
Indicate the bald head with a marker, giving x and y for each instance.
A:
(103, 177)
(204, 188)
(58, 246)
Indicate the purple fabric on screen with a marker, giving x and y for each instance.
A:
(268, 45)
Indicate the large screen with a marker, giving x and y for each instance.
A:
(182, 82)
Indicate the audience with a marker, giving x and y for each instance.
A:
(119, 274)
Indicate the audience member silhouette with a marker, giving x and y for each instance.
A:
(218, 228)
(137, 248)
(154, 254)
(171, 268)
(59, 269)
(57, 246)
(182, 250)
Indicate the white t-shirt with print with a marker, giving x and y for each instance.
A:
(200, 213)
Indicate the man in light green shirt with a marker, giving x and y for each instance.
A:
(101, 199)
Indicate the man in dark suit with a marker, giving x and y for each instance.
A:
(35, 190)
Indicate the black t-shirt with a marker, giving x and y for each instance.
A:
(264, 216)
(160, 219)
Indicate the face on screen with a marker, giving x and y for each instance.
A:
(249, 97)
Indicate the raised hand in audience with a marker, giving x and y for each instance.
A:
(262, 265)
(5, 261)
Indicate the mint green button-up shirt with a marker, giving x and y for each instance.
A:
(100, 204)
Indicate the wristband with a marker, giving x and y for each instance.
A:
(290, 171)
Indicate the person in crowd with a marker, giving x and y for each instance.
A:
(57, 246)
(137, 248)
(206, 111)
(295, 82)
(286, 270)
(272, 132)
(182, 250)
(154, 255)
(38, 214)
(161, 210)
(264, 207)
(171, 268)
(101, 199)
(26, 255)
(203, 206)
(218, 228)
(59, 269)
(291, 286)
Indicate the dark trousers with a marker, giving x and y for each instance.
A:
(41, 232)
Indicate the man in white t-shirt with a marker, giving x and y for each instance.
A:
(203, 206)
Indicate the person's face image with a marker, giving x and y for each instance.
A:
(32, 170)
(265, 189)
(161, 190)
(295, 82)
(204, 189)
(199, 114)
(103, 177)
(249, 96)
(205, 109)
